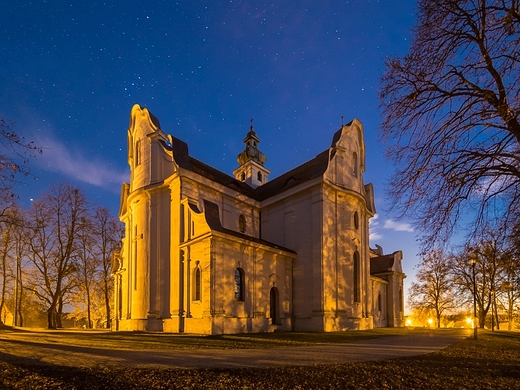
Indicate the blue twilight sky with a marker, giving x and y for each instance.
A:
(71, 71)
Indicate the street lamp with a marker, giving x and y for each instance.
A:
(475, 335)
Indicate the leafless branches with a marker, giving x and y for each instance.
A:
(451, 115)
(433, 288)
(15, 151)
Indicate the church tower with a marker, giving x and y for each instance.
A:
(251, 170)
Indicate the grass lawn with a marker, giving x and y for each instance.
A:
(491, 362)
(145, 340)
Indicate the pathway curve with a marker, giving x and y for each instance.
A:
(390, 347)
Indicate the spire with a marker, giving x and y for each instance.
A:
(251, 160)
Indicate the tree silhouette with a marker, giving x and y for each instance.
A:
(433, 288)
(451, 115)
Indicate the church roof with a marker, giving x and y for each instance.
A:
(183, 159)
(381, 264)
(386, 263)
(310, 170)
(301, 174)
(221, 178)
(211, 212)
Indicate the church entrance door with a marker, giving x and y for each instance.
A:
(274, 306)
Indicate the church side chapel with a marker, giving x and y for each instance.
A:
(209, 253)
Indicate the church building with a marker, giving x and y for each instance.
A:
(209, 253)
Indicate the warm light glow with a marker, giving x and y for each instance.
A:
(430, 321)
(408, 322)
(469, 320)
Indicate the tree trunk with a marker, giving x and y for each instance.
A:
(482, 318)
(18, 304)
(59, 313)
(4, 274)
(496, 318)
(19, 307)
(51, 316)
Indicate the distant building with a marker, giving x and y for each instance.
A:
(208, 253)
(386, 274)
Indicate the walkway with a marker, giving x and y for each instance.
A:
(19, 351)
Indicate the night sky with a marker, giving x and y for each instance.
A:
(72, 70)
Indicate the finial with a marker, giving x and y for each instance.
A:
(251, 122)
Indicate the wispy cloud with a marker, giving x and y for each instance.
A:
(373, 228)
(398, 226)
(75, 164)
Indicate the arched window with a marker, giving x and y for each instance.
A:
(379, 302)
(242, 223)
(243, 176)
(197, 285)
(274, 306)
(356, 220)
(357, 278)
(355, 165)
(259, 175)
(239, 284)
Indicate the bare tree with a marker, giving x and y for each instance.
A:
(433, 288)
(108, 233)
(451, 115)
(15, 152)
(56, 222)
(20, 251)
(485, 258)
(87, 264)
(6, 245)
(10, 249)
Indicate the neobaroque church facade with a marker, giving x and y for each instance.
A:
(209, 253)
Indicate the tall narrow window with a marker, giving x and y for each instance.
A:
(120, 296)
(357, 278)
(242, 223)
(379, 302)
(354, 164)
(259, 175)
(197, 285)
(239, 284)
(243, 176)
(356, 220)
(401, 300)
(138, 152)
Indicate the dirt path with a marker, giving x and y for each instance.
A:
(17, 351)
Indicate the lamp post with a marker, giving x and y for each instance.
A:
(475, 335)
